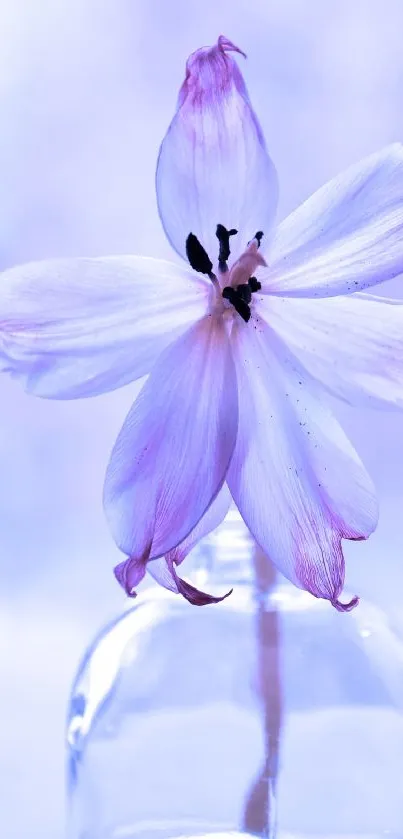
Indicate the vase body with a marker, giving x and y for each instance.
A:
(269, 714)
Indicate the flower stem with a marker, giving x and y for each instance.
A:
(260, 807)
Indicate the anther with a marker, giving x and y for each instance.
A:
(223, 236)
(236, 301)
(198, 257)
(259, 237)
(254, 284)
(245, 292)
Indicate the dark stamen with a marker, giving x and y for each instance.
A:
(259, 237)
(236, 301)
(223, 236)
(245, 292)
(254, 284)
(197, 256)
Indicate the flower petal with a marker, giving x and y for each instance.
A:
(79, 327)
(213, 167)
(164, 572)
(296, 479)
(130, 572)
(347, 237)
(171, 457)
(365, 366)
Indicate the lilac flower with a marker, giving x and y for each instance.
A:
(243, 341)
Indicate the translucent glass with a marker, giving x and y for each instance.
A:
(269, 714)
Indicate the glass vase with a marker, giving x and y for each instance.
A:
(269, 714)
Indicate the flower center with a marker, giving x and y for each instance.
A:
(238, 294)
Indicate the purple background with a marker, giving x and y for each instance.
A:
(87, 89)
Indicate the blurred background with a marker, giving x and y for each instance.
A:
(87, 89)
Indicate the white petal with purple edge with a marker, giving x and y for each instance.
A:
(364, 367)
(79, 327)
(213, 167)
(296, 479)
(172, 455)
(347, 237)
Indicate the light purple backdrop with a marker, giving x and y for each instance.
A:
(87, 88)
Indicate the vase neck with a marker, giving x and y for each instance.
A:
(229, 556)
(225, 555)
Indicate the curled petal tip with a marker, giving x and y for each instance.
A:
(164, 572)
(346, 607)
(120, 573)
(197, 597)
(226, 45)
(129, 574)
(211, 74)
